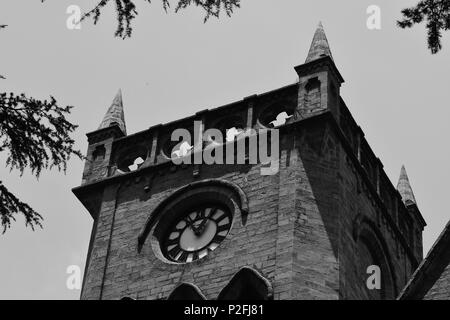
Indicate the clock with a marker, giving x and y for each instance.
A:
(194, 234)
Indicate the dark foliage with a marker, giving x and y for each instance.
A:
(11, 206)
(34, 134)
(126, 11)
(436, 13)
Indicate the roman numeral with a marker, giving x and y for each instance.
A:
(201, 213)
(212, 212)
(223, 228)
(174, 252)
(195, 256)
(221, 217)
(172, 241)
(218, 238)
(183, 256)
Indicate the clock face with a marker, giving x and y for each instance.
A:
(193, 235)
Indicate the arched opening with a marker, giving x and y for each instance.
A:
(131, 159)
(99, 153)
(186, 291)
(247, 284)
(233, 133)
(276, 115)
(182, 147)
(181, 150)
(231, 128)
(312, 98)
(280, 119)
(372, 251)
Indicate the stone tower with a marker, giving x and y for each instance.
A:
(309, 230)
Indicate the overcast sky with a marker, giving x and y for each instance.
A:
(174, 65)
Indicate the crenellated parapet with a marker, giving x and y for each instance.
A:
(155, 146)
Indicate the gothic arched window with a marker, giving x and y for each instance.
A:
(276, 114)
(247, 284)
(372, 251)
(186, 291)
(99, 153)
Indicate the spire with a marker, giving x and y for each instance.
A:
(404, 188)
(115, 114)
(319, 45)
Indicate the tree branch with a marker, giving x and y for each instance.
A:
(10, 206)
(437, 16)
(126, 11)
(35, 133)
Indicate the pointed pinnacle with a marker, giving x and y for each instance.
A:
(404, 188)
(115, 114)
(319, 45)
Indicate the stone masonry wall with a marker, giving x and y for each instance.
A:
(266, 241)
(298, 234)
(357, 203)
(441, 288)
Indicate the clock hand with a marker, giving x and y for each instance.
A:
(205, 216)
(198, 229)
(202, 225)
(190, 223)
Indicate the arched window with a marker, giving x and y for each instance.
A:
(313, 94)
(247, 284)
(231, 128)
(186, 291)
(184, 146)
(372, 251)
(131, 159)
(276, 114)
(99, 153)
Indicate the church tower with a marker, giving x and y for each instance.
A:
(317, 227)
